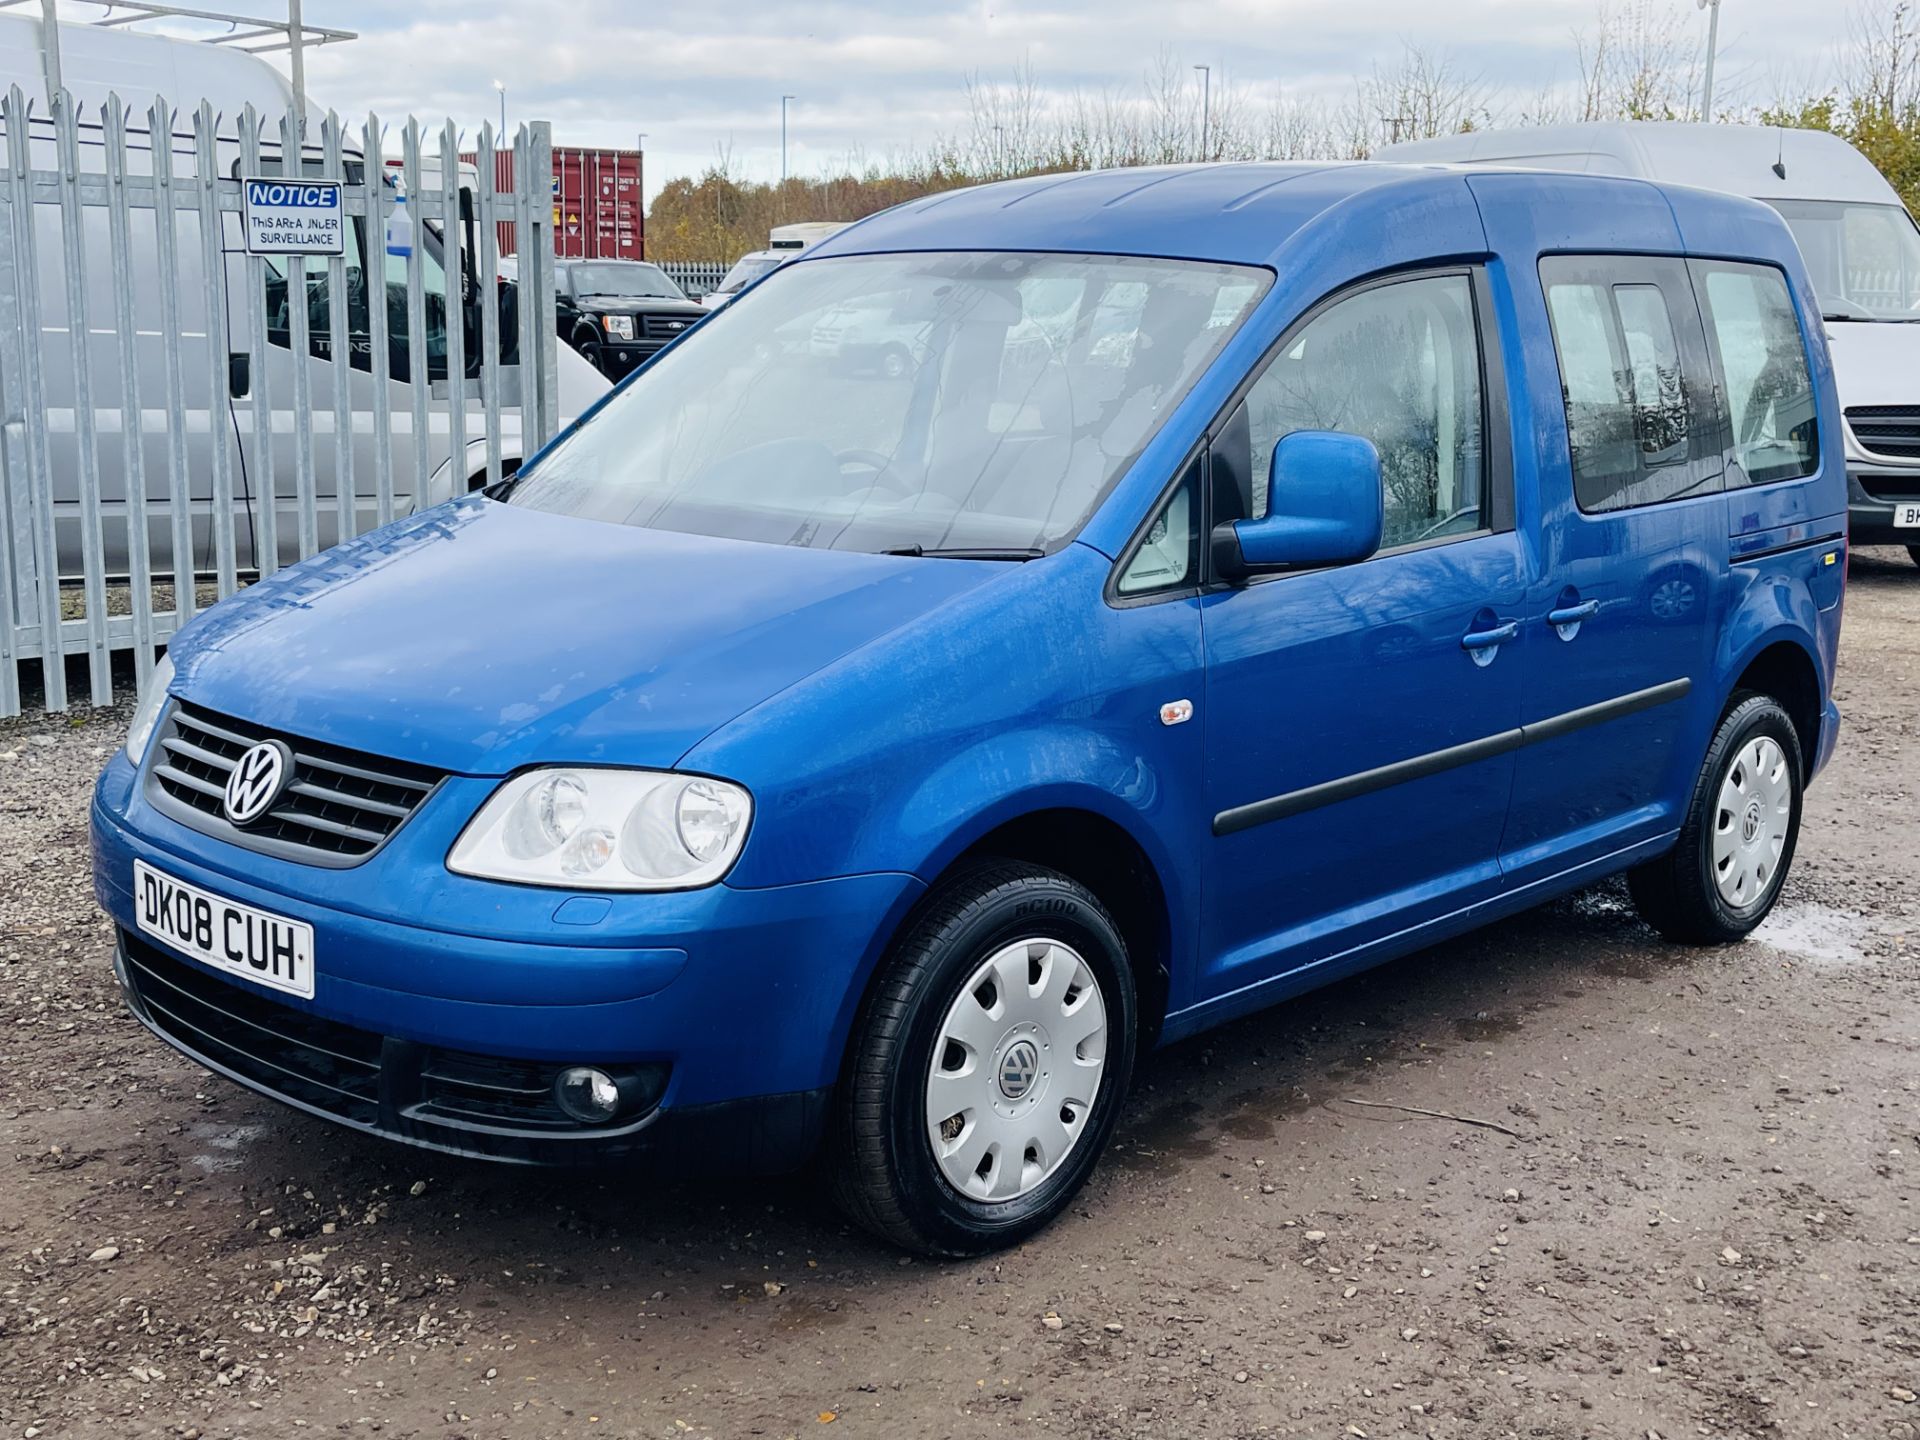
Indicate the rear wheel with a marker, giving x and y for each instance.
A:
(1738, 838)
(988, 1066)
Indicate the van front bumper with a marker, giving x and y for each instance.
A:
(1873, 493)
(725, 1029)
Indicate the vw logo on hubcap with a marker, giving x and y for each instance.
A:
(1017, 1069)
(258, 777)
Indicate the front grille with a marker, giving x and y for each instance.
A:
(665, 327)
(356, 1075)
(339, 807)
(1890, 430)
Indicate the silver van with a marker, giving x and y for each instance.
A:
(218, 383)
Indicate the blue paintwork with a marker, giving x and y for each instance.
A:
(1331, 487)
(889, 712)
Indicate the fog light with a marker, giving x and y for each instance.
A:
(588, 1095)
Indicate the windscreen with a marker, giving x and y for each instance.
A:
(924, 402)
(1864, 259)
(745, 272)
(636, 280)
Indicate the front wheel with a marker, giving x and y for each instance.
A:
(988, 1066)
(1738, 837)
(896, 363)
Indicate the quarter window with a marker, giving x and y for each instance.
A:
(1400, 365)
(1168, 554)
(1763, 362)
(1632, 414)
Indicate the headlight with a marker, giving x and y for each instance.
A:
(606, 830)
(146, 714)
(620, 326)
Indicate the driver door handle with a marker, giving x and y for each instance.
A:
(1486, 639)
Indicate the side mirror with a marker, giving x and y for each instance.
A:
(1323, 508)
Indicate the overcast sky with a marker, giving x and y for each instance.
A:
(872, 79)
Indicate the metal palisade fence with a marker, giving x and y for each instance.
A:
(178, 415)
(696, 277)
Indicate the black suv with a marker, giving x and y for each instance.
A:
(618, 312)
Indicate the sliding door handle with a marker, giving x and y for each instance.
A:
(1574, 614)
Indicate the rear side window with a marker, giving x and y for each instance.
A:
(1756, 338)
(1639, 422)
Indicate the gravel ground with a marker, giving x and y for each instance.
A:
(1704, 1222)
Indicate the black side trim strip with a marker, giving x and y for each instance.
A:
(1787, 549)
(1554, 726)
(1329, 792)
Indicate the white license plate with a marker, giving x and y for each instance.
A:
(1906, 516)
(267, 949)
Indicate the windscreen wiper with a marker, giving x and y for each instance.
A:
(963, 553)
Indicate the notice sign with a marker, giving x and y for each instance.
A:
(294, 217)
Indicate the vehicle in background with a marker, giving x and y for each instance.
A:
(784, 243)
(99, 61)
(618, 313)
(1861, 246)
(1335, 559)
(877, 334)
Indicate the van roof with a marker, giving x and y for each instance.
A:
(96, 61)
(1236, 213)
(1739, 159)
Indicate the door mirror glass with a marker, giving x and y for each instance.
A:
(1323, 508)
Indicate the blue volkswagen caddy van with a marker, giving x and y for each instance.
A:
(1256, 573)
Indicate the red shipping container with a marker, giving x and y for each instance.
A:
(598, 209)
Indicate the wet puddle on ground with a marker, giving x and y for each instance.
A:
(1168, 1135)
(1817, 934)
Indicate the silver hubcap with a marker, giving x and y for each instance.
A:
(1750, 822)
(1016, 1067)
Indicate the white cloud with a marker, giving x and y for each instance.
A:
(885, 78)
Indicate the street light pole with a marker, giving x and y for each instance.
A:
(1712, 7)
(1206, 105)
(501, 86)
(783, 135)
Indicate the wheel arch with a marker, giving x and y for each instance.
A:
(1078, 835)
(1101, 854)
(1783, 666)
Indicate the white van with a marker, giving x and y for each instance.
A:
(1861, 247)
(784, 242)
(98, 61)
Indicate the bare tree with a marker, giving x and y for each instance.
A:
(1005, 135)
(1426, 93)
(1881, 73)
(1638, 63)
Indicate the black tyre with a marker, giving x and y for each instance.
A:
(1009, 1007)
(1737, 841)
(1914, 551)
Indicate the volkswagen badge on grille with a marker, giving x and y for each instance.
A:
(258, 777)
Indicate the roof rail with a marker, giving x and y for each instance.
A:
(253, 34)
